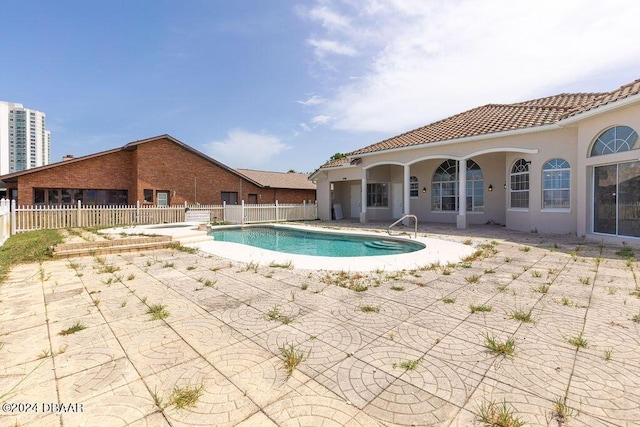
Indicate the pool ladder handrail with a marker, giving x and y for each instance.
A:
(415, 219)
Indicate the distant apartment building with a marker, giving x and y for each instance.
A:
(24, 141)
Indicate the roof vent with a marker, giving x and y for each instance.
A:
(67, 157)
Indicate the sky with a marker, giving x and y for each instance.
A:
(283, 85)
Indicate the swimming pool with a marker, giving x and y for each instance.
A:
(315, 243)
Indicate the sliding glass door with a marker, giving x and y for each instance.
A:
(616, 199)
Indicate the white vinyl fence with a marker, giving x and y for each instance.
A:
(5, 220)
(36, 217)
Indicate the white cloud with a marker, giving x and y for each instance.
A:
(313, 100)
(329, 19)
(320, 120)
(324, 47)
(305, 127)
(419, 60)
(243, 149)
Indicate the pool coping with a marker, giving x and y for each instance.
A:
(436, 251)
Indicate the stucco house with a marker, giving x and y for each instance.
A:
(158, 171)
(568, 163)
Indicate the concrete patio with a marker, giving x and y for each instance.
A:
(405, 351)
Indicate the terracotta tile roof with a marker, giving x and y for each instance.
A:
(622, 92)
(291, 180)
(493, 118)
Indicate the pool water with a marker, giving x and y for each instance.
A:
(316, 243)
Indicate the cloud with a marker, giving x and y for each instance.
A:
(313, 100)
(245, 149)
(324, 47)
(329, 19)
(320, 120)
(418, 61)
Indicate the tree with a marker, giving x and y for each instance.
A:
(337, 156)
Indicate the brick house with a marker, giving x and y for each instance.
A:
(159, 170)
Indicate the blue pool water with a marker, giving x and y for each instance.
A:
(314, 242)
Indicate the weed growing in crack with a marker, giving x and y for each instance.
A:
(496, 414)
(369, 309)
(407, 365)
(521, 316)
(251, 266)
(185, 397)
(158, 311)
(76, 327)
(273, 313)
(608, 353)
(578, 341)
(543, 289)
(292, 357)
(286, 265)
(472, 279)
(157, 399)
(480, 308)
(561, 412)
(626, 252)
(504, 348)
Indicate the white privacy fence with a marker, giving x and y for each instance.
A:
(36, 217)
(5, 220)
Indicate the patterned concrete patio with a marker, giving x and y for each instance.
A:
(379, 348)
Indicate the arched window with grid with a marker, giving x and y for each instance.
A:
(519, 187)
(444, 187)
(615, 140)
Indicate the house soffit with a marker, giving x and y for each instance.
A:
(454, 157)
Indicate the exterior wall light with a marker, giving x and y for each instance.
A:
(490, 187)
(424, 190)
(505, 185)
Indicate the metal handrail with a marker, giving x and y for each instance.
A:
(415, 218)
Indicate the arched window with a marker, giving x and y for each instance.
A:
(444, 187)
(519, 189)
(615, 140)
(556, 184)
(413, 186)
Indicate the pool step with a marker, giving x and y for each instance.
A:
(192, 237)
(381, 244)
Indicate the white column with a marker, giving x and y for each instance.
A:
(462, 194)
(363, 200)
(407, 189)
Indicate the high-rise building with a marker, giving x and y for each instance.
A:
(24, 141)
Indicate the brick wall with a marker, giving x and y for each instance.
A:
(165, 166)
(158, 165)
(110, 171)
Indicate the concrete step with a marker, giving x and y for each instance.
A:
(194, 236)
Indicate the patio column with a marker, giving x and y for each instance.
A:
(363, 200)
(461, 220)
(406, 192)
